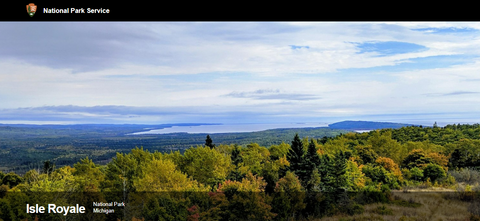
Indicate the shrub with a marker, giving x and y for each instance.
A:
(434, 172)
(447, 181)
(349, 206)
(383, 210)
(372, 194)
(409, 203)
(378, 174)
(467, 175)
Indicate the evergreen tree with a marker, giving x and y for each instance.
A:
(209, 142)
(325, 169)
(236, 158)
(312, 162)
(48, 167)
(296, 157)
(312, 155)
(340, 169)
(235, 174)
(323, 140)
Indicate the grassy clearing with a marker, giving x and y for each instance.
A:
(412, 206)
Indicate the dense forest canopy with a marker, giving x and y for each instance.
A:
(26, 147)
(306, 177)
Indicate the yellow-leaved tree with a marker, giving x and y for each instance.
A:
(206, 165)
(245, 200)
(390, 166)
(161, 175)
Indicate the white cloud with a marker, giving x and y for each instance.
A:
(194, 65)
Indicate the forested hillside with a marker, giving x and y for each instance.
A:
(26, 147)
(352, 176)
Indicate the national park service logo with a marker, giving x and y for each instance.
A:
(31, 9)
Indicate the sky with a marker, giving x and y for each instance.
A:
(239, 72)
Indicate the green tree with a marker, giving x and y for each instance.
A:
(323, 140)
(417, 158)
(289, 197)
(313, 161)
(162, 175)
(60, 180)
(434, 172)
(88, 175)
(124, 169)
(354, 176)
(120, 175)
(296, 157)
(416, 174)
(270, 173)
(48, 167)
(253, 158)
(11, 179)
(206, 165)
(237, 162)
(245, 200)
(366, 154)
(385, 146)
(31, 176)
(164, 207)
(312, 156)
(12, 206)
(465, 154)
(3, 190)
(340, 171)
(326, 168)
(209, 142)
(378, 174)
(278, 151)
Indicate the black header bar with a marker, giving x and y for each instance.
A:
(224, 11)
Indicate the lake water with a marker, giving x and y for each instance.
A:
(362, 131)
(228, 128)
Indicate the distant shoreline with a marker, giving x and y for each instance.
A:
(228, 128)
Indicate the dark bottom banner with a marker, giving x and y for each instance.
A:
(227, 205)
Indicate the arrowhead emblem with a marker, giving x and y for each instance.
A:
(31, 9)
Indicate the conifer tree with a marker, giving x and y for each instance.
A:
(340, 169)
(209, 142)
(312, 161)
(235, 174)
(296, 157)
(48, 167)
(312, 155)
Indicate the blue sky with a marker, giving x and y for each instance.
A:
(239, 72)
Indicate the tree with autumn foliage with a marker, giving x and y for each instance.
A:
(245, 200)
(206, 165)
(390, 166)
(417, 158)
(385, 146)
(162, 175)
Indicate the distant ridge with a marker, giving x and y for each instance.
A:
(366, 125)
